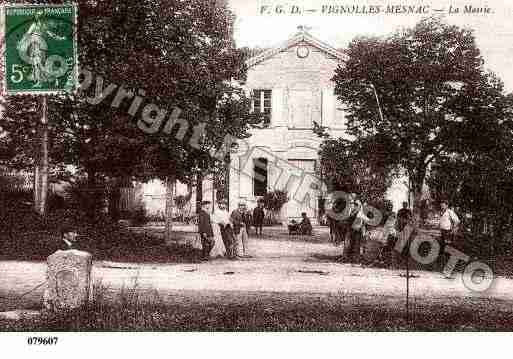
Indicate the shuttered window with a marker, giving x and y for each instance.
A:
(262, 103)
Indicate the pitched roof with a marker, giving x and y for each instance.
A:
(299, 37)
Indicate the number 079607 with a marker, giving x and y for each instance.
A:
(42, 340)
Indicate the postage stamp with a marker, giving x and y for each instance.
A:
(255, 166)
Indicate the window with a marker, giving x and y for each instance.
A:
(308, 166)
(260, 176)
(301, 105)
(262, 104)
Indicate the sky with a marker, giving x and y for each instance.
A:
(493, 30)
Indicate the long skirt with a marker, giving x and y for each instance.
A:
(219, 249)
(228, 240)
(241, 243)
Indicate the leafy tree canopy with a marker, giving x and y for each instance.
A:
(435, 96)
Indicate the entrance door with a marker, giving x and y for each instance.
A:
(295, 206)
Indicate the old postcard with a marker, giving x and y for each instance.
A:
(255, 166)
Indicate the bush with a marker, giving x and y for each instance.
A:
(90, 201)
(157, 217)
(273, 202)
(31, 237)
(137, 217)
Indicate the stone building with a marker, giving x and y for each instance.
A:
(291, 84)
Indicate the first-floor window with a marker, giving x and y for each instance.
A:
(262, 104)
(260, 177)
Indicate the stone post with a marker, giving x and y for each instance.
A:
(68, 280)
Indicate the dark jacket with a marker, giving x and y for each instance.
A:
(305, 226)
(204, 224)
(247, 218)
(239, 219)
(403, 216)
(258, 215)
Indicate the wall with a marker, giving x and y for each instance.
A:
(293, 81)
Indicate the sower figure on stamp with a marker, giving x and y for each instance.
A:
(205, 230)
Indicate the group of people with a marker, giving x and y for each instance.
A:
(225, 234)
(349, 226)
(304, 227)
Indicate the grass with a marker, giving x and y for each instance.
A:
(134, 309)
(108, 243)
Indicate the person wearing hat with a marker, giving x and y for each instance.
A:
(205, 230)
(404, 215)
(357, 231)
(258, 217)
(222, 218)
(305, 226)
(449, 222)
(239, 219)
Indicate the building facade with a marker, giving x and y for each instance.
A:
(291, 85)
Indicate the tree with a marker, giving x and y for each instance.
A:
(182, 56)
(361, 167)
(273, 202)
(477, 178)
(430, 83)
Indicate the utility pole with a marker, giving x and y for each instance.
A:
(42, 164)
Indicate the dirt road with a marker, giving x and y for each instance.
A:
(285, 266)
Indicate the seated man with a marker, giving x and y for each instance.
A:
(305, 227)
(293, 227)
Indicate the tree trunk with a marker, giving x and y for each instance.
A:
(114, 198)
(213, 193)
(416, 179)
(199, 192)
(170, 187)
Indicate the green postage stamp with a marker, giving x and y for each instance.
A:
(40, 49)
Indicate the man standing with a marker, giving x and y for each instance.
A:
(340, 223)
(449, 222)
(247, 218)
(205, 230)
(358, 222)
(239, 229)
(404, 215)
(258, 217)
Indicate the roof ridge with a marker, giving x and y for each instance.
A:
(297, 38)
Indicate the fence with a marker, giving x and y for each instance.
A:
(16, 180)
(131, 198)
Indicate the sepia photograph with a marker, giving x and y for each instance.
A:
(255, 166)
